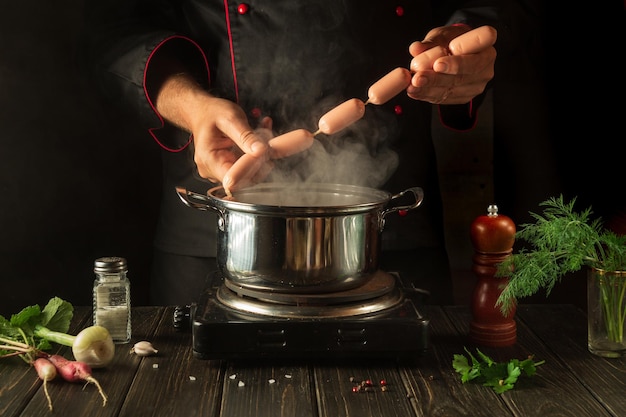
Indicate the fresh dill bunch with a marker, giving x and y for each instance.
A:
(561, 241)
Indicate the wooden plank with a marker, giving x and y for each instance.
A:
(335, 389)
(19, 383)
(267, 389)
(173, 382)
(436, 387)
(563, 329)
(553, 390)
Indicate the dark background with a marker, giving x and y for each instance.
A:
(76, 182)
(79, 181)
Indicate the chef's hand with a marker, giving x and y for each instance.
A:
(453, 64)
(220, 129)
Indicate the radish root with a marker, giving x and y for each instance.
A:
(45, 390)
(92, 380)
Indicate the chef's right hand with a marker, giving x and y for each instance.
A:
(220, 129)
(221, 136)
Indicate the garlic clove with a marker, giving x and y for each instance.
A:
(143, 348)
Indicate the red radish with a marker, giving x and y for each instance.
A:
(46, 372)
(76, 371)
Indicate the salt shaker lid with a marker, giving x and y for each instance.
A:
(110, 264)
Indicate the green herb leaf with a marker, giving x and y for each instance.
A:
(560, 241)
(56, 316)
(501, 376)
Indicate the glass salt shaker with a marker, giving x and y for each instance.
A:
(111, 297)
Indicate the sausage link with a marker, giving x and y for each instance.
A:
(242, 173)
(290, 143)
(389, 86)
(341, 116)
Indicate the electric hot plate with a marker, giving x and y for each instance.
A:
(380, 319)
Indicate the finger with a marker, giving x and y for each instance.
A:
(266, 123)
(244, 137)
(473, 41)
(425, 60)
(251, 143)
(264, 129)
(467, 64)
(216, 166)
(419, 47)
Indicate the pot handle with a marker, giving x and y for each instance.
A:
(194, 200)
(417, 192)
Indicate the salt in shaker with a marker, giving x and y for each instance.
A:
(111, 297)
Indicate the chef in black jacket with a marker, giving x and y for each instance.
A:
(200, 74)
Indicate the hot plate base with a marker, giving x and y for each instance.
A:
(221, 332)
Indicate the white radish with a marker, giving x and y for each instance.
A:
(46, 371)
(93, 345)
(290, 143)
(341, 116)
(389, 86)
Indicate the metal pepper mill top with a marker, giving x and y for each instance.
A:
(492, 236)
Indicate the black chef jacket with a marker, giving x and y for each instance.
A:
(292, 61)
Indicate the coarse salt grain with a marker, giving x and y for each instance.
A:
(288, 376)
(241, 384)
(192, 378)
(155, 365)
(233, 376)
(271, 381)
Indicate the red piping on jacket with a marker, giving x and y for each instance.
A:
(153, 106)
(232, 49)
(471, 113)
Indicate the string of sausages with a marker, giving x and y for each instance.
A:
(331, 122)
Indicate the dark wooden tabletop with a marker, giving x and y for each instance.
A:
(572, 382)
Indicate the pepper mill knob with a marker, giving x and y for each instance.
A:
(492, 236)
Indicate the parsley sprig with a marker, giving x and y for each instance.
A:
(501, 376)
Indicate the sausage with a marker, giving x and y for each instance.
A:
(243, 172)
(290, 143)
(389, 86)
(341, 116)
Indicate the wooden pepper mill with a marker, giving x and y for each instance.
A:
(492, 236)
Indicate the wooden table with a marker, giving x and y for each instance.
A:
(572, 382)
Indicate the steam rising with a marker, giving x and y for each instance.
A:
(348, 162)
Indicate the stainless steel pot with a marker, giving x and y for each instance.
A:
(308, 238)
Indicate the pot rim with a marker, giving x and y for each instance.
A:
(361, 199)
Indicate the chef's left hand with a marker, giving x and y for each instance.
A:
(453, 64)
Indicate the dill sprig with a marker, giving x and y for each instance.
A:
(561, 241)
